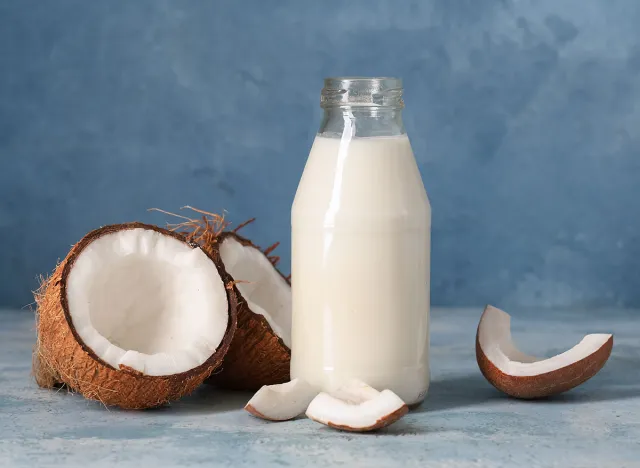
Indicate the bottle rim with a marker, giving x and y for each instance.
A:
(361, 91)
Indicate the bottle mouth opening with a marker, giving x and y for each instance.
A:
(350, 91)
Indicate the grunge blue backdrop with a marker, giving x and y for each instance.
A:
(524, 118)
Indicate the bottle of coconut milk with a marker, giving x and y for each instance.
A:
(361, 244)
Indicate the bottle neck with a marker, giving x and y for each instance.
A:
(362, 121)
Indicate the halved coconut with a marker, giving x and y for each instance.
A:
(134, 317)
(282, 401)
(357, 407)
(260, 351)
(522, 376)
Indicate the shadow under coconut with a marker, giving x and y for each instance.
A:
(457, 392)
(405, 427)
(402, 427)
(206, 399)
(589, 395)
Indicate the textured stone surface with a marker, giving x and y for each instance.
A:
(464, 422)
(523, 114)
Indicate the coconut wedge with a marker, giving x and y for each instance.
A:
(523, 376)
(134, 316)
(282, 401)
(357, 407)
(260, 351)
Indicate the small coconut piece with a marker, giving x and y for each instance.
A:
(357, 407)
(522, 376)
(134, 316)
(281, 402)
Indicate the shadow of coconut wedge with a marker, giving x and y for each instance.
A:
(522, 376)
(134, 316)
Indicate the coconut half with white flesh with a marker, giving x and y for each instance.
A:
(281, 402)
(134, 316)
(357, 407)
(523, 376)
(260, 350)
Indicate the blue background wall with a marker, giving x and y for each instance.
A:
(524, 117)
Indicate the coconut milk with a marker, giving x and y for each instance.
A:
(360, 267)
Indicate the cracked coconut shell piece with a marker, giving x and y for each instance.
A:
(522, 376)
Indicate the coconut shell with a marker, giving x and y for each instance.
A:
(257, 355)
(254, 412)
(61, 356)
(379, 424)
(44, 375)
(549, 383)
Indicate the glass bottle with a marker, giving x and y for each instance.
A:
(361, 247)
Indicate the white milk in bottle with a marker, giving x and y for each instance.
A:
(360, 247)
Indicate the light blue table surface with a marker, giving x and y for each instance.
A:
(463, 423)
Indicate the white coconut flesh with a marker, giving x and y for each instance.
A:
(148, 301)
(494, 337)
(267, 293)
(282, 401)
(356, 405)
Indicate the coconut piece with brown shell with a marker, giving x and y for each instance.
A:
(357, 407)
(281, 402)
(523, 376)
(134, 316)
(260, 350)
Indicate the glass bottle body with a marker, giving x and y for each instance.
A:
(361, 249)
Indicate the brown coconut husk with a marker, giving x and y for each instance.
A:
(547, 384)
(257, 355)
(60, 356)
(44, 375)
